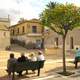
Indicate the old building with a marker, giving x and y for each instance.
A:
(31, 34)
(27, 33)
(4, 33)
(55, 40)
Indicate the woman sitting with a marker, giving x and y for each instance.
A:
(32, 57)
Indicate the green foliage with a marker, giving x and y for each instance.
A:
(61, 18)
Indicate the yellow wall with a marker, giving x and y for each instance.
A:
(4, 34)
(28, 36)
(5, 23)
(27, 28)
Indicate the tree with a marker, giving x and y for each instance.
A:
(61, 18)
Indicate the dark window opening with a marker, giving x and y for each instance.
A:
(23, 29)
(71, 43)
(13, 32)
(56, 41)
(34, 29)
(18, 31)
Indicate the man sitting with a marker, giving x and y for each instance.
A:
(23, 58)
(11, 61)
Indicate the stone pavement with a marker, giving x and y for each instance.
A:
(53, 63)
(53, 75)
(48, 74)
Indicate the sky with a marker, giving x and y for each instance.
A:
(26, 9)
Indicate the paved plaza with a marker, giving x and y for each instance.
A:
(53, 65)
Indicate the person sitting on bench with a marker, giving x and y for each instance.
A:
(23, 58)
(10, 63)
(40, 56)
(33, 57)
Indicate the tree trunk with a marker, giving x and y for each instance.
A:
(64, 62)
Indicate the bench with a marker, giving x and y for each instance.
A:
(28, 65)
(77, 59)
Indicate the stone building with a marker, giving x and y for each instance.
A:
(4, 33)
(27, 33)
(55, 40)
(31, 34)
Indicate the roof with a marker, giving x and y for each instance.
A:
(4, 19)
(24, 21)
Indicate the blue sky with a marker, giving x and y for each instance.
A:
(27, 9)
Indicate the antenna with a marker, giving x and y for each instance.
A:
(9, 19)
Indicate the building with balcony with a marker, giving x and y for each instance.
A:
(30, 33)
(27, 33)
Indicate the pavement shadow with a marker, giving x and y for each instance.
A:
(59, 69)
(5, 78)
(27, 77)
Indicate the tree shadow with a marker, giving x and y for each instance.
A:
(60, 69)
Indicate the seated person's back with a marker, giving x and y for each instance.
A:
(22, 58)
(40, 56)
(33, 57)
(11, 61)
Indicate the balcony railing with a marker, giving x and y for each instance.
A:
(34, 34)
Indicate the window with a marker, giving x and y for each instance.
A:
(71, 42)
(34, 29)
(56, 41)
(38, 43)
(23, 29)
(12, 32)
(18, 30)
